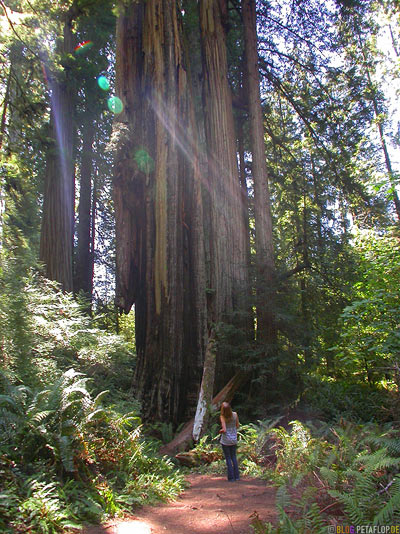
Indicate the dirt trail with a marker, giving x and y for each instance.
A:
(211, 505)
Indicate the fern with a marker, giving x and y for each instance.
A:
(66, 452)
(43, 508)
(329, 476)
(282, 497)
(313, 521)
(351, 506)
(286, 525)
(377, 461)
(391, 510)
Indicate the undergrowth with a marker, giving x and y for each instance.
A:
(66, 459)
(333, 475)
(72, 449)
(325, 475)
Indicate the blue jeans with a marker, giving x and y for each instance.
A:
(231, 461)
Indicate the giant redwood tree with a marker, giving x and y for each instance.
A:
(265, 264)
(228, 277)
(164, 266)
(160, 265)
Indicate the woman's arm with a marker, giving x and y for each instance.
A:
(237, 421)
(223, 424)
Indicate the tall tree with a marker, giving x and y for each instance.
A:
(84, 251)
(228, 235)
(358, 34)
(160, 264)
(93, 73)
(56, 243)
(265, 263)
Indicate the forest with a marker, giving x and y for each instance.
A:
(199, 202)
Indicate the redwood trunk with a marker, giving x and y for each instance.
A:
(56, 239)
(158, 209)
(265, 266)
(228, 277)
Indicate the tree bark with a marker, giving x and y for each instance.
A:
(265, 264)
(206, 390)
(5, 105)
(83, 270)
(160, 264)
(56, 239)
(228, 273)
(228, 282)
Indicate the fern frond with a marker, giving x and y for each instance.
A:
(97, 400)
(69, 427)
(351, 506)
(286, 523)
(282, 497)
(329, 476)
(95, 414)
(314, 522)
(387, 513)
(7, 400)
(40, 417)
(66, 453)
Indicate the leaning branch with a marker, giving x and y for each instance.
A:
(184, 438)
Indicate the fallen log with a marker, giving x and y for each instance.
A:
(182, 441)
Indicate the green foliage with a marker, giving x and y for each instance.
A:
(43, 325)
(370, 334)
(43, 509)
(353, 468)
(47, 424)
(297, 452)
(65, 458)
(348, 399)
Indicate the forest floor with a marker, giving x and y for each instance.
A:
(209, 505)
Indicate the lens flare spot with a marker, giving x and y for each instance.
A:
(143, 160)
(83, 47)
(103, 83)
(115, 104)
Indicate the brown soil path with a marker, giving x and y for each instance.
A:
(211, 505)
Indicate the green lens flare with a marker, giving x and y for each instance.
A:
(115, 104)
(102, 82)
(144, 161)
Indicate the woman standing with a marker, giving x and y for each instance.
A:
(230, 424)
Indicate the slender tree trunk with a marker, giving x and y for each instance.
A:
(56, 239)
(83, 270)
(385, 151)
(2, 132)
(160, 265)
(93, 232)
(5, 105)
(206, 390)
(265, 265)
(305, 304)
(243, 187)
